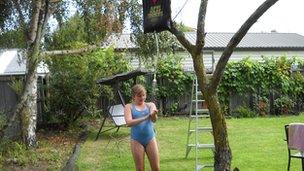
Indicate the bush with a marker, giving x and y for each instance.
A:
(262, 106)
(244, 112)
(17, 152)
(283, 104)
(73, 88)
(173, 81)
(270, 77)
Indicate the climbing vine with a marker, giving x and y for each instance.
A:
(174, 82)
(271, 75)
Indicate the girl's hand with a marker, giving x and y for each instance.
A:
(153, 115)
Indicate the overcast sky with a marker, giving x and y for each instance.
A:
(286, 16)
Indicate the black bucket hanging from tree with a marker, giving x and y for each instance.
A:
(157, 15)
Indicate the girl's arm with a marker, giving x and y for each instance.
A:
(128, 117)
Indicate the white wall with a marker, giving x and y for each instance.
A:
(236, 56)
(12, 62)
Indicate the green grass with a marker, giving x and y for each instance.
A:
(257, 144)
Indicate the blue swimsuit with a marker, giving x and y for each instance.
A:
(144, 131)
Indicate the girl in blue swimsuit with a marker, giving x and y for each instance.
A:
(139, 115)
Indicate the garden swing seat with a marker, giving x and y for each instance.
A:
(115, 109)
(117, 114)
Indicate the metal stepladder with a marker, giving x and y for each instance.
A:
(197, 115)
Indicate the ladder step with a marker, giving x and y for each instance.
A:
(202, 111)
(199, 116)
(206, 129)
(202, 146)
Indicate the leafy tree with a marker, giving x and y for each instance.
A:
(32, 16)
(70, 35)
(13, 38)
(223, 155)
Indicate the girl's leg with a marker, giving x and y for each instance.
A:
(153, 155)
(138, 152)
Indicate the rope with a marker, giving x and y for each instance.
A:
(180, 10)
(154, 82)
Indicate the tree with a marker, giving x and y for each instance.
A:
(32, 17)
(209, 88)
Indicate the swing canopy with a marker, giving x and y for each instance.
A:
(122, 77)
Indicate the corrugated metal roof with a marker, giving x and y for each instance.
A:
(252, 40)
(219, 40)
(120, 41)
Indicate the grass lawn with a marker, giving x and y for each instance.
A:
(257, 144)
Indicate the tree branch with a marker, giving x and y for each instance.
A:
(200, 34)
(182, 39)
(70, 52)
(47, 13)
(34, 21)
(235, 40)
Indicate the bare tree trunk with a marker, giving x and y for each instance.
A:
(29, 112)
(222, 155)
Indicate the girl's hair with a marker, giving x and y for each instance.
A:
(138, 89)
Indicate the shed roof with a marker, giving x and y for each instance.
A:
(219, 40)
(12, 62)
(253, 40)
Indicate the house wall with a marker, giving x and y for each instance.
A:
(211, 57)
(8, 96)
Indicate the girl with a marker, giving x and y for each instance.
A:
(139, 115)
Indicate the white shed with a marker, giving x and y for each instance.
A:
(12, 62)
(12, 66)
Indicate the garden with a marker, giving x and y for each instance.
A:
(54, 116)
(255, 131)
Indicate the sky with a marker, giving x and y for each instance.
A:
(286, 16)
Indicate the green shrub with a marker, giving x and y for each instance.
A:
(262, 106)
(17, 152)
(73, 88)
(173, 81)
(244, 112)
(17, 85)
(283, 104)
(261, 78)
